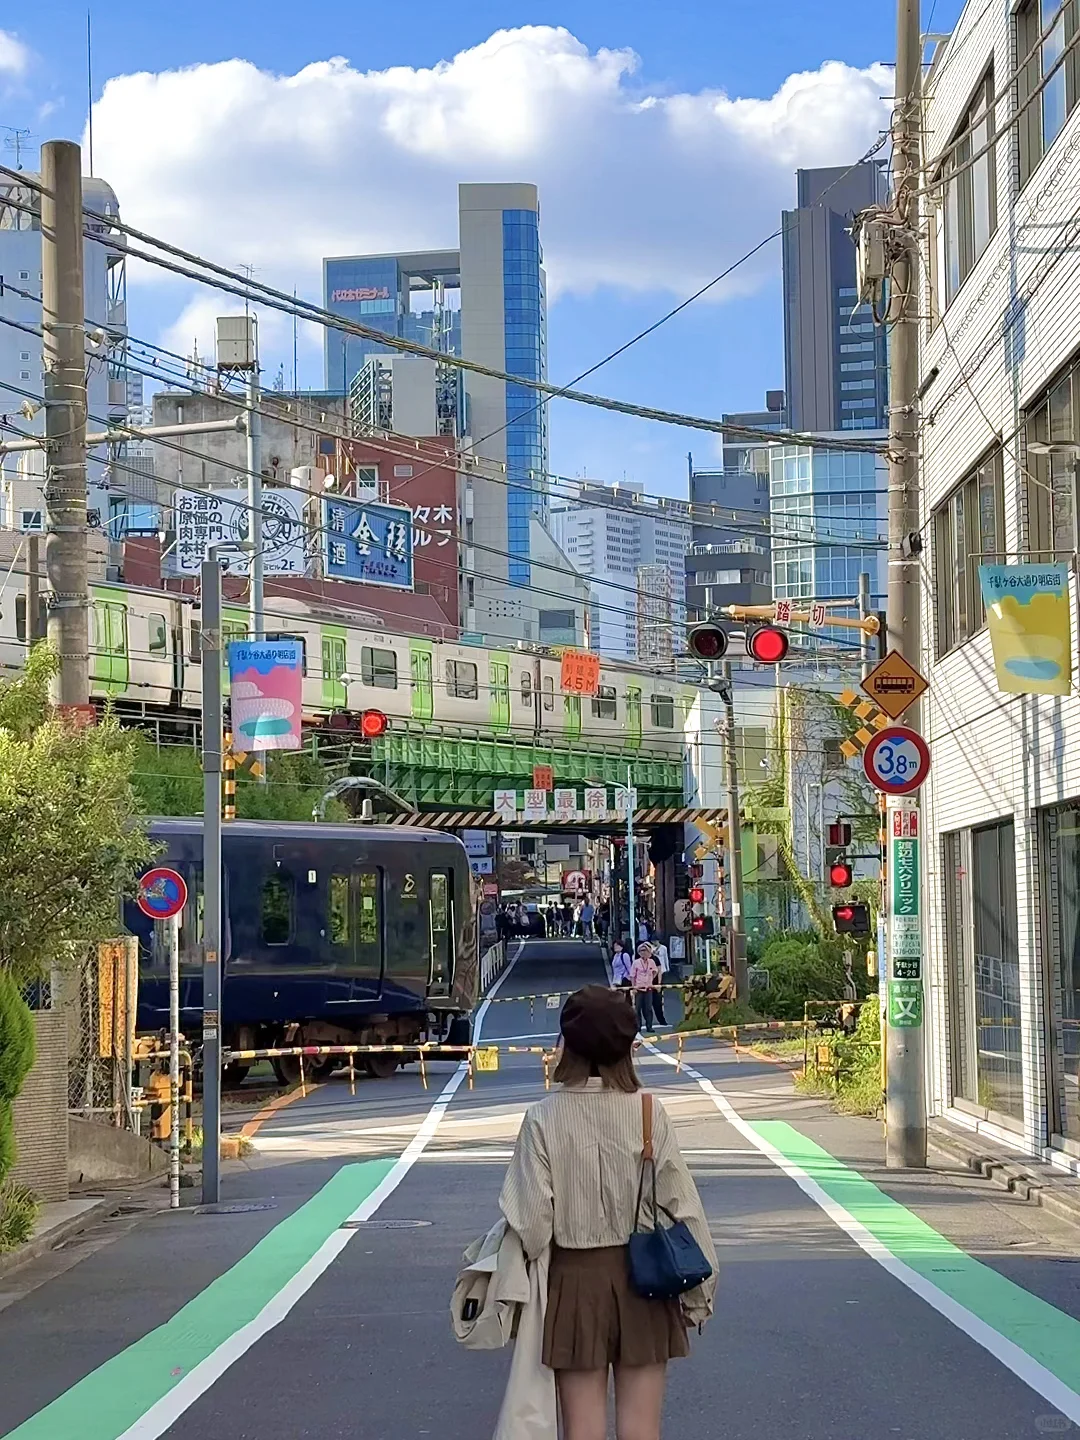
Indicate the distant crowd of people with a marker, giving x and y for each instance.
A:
(556, 920)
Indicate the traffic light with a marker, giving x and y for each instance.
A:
(766, 644)
(851, 919)
(703, 925)
(840, 834)
(373, 723)
(840, 876)
(696, 870)
(708, 641)
(697, 895)
(839, 837)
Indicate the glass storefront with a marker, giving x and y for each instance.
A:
(1061, 932)
(983, 971)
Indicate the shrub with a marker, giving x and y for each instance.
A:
(18, 1212)
(855, 1083)
(800, 967)
(16, 1058)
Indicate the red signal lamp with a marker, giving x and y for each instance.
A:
(373, 723)
(840, 874)
(707, 642)
(697, 895)
(767, 645)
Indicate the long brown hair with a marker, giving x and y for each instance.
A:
(574, 1069)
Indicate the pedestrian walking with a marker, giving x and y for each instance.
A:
(567, 919)
(620, 966)
(588, 914)
(572, 1191)
(644, 974)
(663, 964)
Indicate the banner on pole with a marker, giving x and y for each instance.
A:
(266, 689)
(1029, 619)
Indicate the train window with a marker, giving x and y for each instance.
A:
(378, 667)
(604, 705)
(285, 635)
(526, 689)
(339, 909)
(440, 901)
(369, 907)
(159, 634)
(461, 683)
(439, 911)
(549, 692)
(633, 717)
(663, 712)
(195, 648)
(277, 910)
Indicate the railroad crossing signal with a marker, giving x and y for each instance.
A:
(767, 644)
(708, 641)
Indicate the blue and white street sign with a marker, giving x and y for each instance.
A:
(897, 760)
(368, 542)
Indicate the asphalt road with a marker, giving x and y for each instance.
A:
(231, 1326)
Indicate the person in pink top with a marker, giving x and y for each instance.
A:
(644, 976)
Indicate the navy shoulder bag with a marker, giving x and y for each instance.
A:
(666, 1260)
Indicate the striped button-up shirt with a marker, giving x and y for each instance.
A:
(575, 1174)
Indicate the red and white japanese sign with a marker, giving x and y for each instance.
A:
(580, 672)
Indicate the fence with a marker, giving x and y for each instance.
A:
(98, 999)
(492, 964)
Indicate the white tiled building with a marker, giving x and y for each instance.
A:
(1000, 369)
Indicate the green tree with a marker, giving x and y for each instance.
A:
(71, 837)
(16, 1058)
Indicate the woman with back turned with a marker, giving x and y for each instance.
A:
(573, 1184)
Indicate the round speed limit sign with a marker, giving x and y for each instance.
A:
(897, 760)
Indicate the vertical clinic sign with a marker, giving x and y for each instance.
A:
(905, 992)
(266, 693)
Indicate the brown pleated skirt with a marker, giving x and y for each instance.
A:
(595, 1319)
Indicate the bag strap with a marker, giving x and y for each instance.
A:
(646, 1126)
(648, 1158)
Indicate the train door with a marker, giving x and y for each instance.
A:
(499, 676)
(633, 718)
(441, 922)
(366, 904)
(110, 646)
(423, 690)
(572, 717)
(333, 667)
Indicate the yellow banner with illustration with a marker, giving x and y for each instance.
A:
(1030, 622)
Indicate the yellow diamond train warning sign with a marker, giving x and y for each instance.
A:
(894, 684)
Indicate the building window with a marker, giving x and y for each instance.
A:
(1053, 420)
(604, 705)
(1041, 120)
(663, 712)
(1060, 865)
(969, 531)
(378, 668)
(856, 365)
(969, 211)
(461, 680)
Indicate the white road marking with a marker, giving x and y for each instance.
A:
(1037, 1376)
(167, 1410)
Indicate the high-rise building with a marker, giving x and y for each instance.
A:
(618, 540)
(20, 349)
(485, 301)
(835, 356)
(729, 560)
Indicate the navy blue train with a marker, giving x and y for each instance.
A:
(332, 935)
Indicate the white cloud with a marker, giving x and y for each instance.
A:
(14, 56)
(637, 190)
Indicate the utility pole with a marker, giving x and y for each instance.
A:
(64, 361)
(905, 1095)
(211, 762)
(736, 930)
(257, 626)
(631, 919)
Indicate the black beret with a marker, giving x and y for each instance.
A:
(599, 1024)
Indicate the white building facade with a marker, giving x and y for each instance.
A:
(1000, 377)
(618, 541)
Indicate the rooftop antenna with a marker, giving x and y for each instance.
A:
(16, 140)
(89, 97)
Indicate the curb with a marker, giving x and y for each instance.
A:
(1010, 1174)
(34, 1249)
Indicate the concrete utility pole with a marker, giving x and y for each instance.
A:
(866, 641)
(737, 930)
(905, 1096)
(211, 759)
(257, 625)
(64, 363)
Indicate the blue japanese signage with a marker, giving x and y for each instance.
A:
(368, 542)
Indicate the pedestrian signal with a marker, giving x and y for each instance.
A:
(851, 919)
(767, 644)
(707, 642)
(703, 925)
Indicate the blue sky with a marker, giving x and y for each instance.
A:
(683, 215)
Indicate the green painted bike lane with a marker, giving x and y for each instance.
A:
(112, 1398)
(1048, 1336)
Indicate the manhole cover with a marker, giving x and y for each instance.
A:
(383, 1224)
(243, 1207)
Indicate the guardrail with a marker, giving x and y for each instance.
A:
(492, 964)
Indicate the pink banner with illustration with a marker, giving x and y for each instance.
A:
(266, 682)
